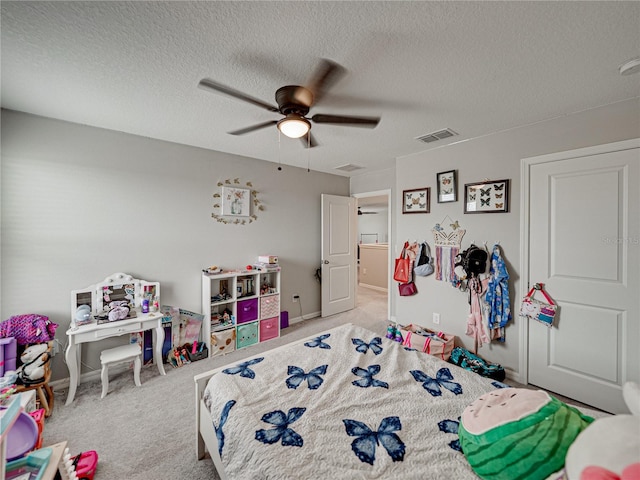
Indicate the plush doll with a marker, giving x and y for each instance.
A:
(33, 360)
(517, 433)
(609, 449)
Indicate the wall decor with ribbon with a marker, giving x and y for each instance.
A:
(447, 237)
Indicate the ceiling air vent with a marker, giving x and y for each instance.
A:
(349, 167)
(435, 136)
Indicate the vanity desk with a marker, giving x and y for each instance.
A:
(116, 287)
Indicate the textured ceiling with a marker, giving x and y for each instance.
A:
(474, 67)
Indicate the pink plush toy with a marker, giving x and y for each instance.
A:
(609, 448)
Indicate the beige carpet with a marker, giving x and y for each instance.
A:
(148, 432)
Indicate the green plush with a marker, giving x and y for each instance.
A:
(518, 434)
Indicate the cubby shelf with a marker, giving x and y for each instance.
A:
(251, 298)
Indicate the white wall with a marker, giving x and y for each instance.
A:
(372, 228)
(492, 157)
(80, 203)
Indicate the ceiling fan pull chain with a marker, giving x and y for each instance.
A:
(279, 153)
(308, 150)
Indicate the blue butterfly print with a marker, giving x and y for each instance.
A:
(485, 202)
(243, 369)
(363, 346)
(409, 349)
(318, 342)
(223, 419)
(298, 376)
(367, 379)
(281, 431)
(451, 426)
(500, 384)
(365, 445)
(432, 385)
(484, 192)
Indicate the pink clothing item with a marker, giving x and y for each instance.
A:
(475, 326)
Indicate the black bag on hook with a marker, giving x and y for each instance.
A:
(473, 261)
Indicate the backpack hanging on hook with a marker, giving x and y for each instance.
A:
(471, 262)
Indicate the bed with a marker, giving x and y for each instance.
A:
(345, 403)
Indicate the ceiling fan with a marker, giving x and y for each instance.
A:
(294, 102)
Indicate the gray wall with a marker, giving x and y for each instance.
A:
(80, 203)
(492, 157)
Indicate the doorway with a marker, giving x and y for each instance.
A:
(374, 256)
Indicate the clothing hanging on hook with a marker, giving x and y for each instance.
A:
(497, 296)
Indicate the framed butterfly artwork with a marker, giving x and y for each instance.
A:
(489, 196)
(416, 200)
(447, 186)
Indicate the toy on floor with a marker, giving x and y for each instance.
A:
(33, 360)
(85, 464)
(609, 449)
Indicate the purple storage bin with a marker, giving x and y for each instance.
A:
(247, 310)
(284, 319)
(8, 353)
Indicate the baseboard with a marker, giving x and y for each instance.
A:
(374, 287)
(302, 318)
(513, 375)
(63, 383)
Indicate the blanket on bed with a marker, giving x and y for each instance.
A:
(346, 404)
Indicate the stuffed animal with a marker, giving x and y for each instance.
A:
(33, 360)
(609, 449)
(518, 433)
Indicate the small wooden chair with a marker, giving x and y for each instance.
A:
(42, 388)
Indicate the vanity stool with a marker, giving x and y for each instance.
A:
(114, 356)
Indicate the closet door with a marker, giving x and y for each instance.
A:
(584, 244)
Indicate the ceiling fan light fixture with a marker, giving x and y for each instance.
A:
(294, 126)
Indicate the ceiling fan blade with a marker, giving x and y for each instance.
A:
(207, 84)
(326, 74)
(368, 122)
(309, 142)
(253, 128)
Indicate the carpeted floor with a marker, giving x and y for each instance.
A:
(148, 432)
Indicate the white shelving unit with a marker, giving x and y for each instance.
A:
(250, 297)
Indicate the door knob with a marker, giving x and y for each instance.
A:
(326, 262)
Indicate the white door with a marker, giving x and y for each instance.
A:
(584, 245)
(338, 254)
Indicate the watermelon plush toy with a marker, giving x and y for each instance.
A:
(518, 434)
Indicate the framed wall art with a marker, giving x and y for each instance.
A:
(447, 186)
(489, 196)
(416, 200)
(236, 201)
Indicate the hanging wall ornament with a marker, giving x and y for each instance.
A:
(235, 204)
(447, 237)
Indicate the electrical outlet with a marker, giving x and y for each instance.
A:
(364, 271)
(295, 298)
(436, 318)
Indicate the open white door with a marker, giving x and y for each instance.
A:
(338, 254)
(583, 245)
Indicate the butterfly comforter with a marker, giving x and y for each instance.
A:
(346, 404)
